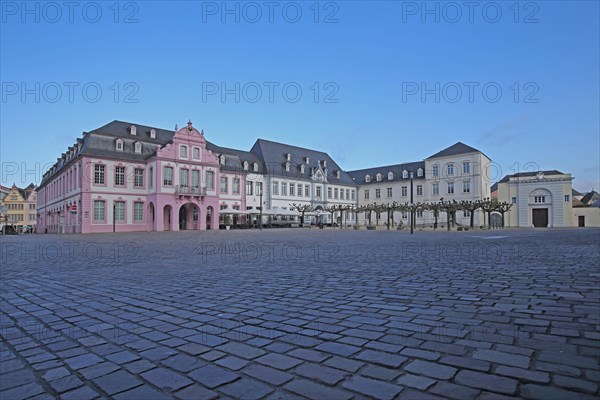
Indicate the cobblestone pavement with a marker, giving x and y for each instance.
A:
(285, 314)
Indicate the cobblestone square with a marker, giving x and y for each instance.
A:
(317, 314)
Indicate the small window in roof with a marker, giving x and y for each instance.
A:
(119, 145)
(246, 165)
(307, 160)
(301, 168)
(133, 130)
(255, 167)
(368, 178)
(287, 166)
(138, 147)
(337, 174)
(378, 177)
(390, 176)
(420, 172)
(153, 133)
(222, 159)
(288, 156)
(405, 174)
(324, 163)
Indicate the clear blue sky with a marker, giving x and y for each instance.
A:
(371, 55)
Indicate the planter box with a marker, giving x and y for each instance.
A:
(371, 228)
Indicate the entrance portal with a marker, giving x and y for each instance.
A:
(540, 217)
(581, 221)
(182, 219)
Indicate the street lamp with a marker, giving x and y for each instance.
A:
(412, 206)
(261, 205)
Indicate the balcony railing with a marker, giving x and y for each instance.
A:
(190, 191)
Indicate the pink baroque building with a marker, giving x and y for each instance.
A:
(123, 177)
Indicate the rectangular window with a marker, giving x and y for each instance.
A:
(366, 195)
(328, 193)
(404, 214)
(98, 175)
(419, 190)
(284, 188)
(567, 198)
(466, 213)
(436, 170)
(183, 151)
(150, 176)
(347, 194)
(318, 194)
(119, 176)
(435, 188)
(276, 188)
(168, 176)
(195, 179)
(540, 199)
(466, 187)
(404, 191)
(306, 191)
(341, 194)
(450, 187)
(236, 185)
(353, 194)
(196, 153)
(210, 180)
(184, 177)
(98, 210)
(466, 167)
(299, 190)
(377, 193)
(120, 211)
(335, 193)
(258, 188)
(450, 169)
(292, 189)
(223, 184)
(138, 211)
(514, 200)
(249, 188)
(419, 214)
(138, 177)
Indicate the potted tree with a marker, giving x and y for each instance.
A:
(227, 221)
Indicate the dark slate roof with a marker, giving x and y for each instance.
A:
(359, 175)
(494, 187)
(590, 197)
(575, 192)
(234, 159)
(455, 149)
(273, 155)
(523, 174)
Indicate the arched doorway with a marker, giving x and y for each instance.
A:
(167, 217)
(540, 201)
(182, 218)
(209, 217)
(151, 216)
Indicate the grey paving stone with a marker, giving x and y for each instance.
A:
(372, 388)
(165, 379)
(122, 357)
(212, 376)
(195, 392)
(345, 364)
(499, 357)
(542, 392)
(278, 361)
(56, 373)
(16, 378)
(380, 357)
(116, 382)
(316, 372)
(22, 391)
(488, 382)
(246, 389)
(453, 391)
(183, 363)
(523, 374)
(316, 391)
(232, 363)
(82, 361)
(309, 355)
(339, 349)
(241, 350)
(98, 370)
(66, 383)
(571, 383)
(143, 392)
(430, 369)
(83, 393)
(415, 381)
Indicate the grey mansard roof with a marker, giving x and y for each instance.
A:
(397, 169)
(454, 150)
(526, 174)
(274, 156)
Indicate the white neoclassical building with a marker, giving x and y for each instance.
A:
(459, 172)
(540, 199)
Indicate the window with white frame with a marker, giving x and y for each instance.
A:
(223, 187)
(435, 188)
(259, 186)
(450, 187)
(378, 177)
(466, 167)
(539, 199)
(255, 167)
(466, 213)
(567, 198)
(404, 191)
(335, 193)
(329, 193)
(390, 176)
(98, 174)
(466, 187)
(420, 172)
(389, 192)
(404, 214)
(514, 200)
(120, 211)
(150, 176)
(450, 169)
(183, 151)
(284, 188)
(420, 214)
(195, 179)
(99, 210)
(120, 176)
(138, 178)
(138, 147)
(366, 194)
(210, 180)
(276, 188)
(377, 193)
(353, 194)
(405, 174)
(435, 170)
(341, 194)
(119, 145)
(236, 185)
(419, 190)
(347, 194)
(196, 153)
(138, 211)
(318, 192)
(367, 178)
(292, 189)
(299, 190)
(168, 176)
(184, 177)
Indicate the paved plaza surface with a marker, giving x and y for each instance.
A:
(286, 314)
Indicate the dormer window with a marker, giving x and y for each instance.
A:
(287, 166)
(119, 145)
(153, 133)
(420, 172)
(307, 160)
(338, 174)
(246, 165)
(390, 176)
(288, 156)
(405, 174)
(255, 167)
(222, 159)
(378, 177)
(301, 168)
(138, 147)
(133, 130)
(324, 163)
(368, 178)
